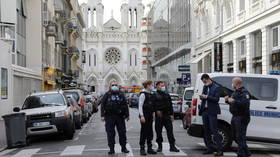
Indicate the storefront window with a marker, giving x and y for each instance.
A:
(4, 83)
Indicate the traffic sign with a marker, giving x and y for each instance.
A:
(186, 78)
(184, 68)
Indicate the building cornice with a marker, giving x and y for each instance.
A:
(239, 26)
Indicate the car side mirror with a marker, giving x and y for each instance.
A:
(16, 109)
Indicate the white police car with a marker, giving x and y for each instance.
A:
(265, 107)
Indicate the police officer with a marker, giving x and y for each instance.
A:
(240, 110)
(164, 117)
(146, 113)
(114, 111)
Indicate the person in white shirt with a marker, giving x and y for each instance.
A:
(146, 114)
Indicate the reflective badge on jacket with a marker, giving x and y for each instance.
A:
(115, 98)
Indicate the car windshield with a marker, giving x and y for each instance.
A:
(188, 95)
(74, 94)
(43, 101)
(175, 98)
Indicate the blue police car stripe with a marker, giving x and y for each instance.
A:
(267, 114)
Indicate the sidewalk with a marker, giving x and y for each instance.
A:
(2, 135)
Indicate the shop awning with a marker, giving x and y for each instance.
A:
(199, 58)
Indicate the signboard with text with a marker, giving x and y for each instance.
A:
(218, 56)
(184, 68)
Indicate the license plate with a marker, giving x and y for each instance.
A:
(41, 124)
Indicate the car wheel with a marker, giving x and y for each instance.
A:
(85, 118)
(79, 124)
(226, 138)
(184, 124)
(70, 131)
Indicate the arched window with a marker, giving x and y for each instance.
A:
(89, 60)
(94, 60)
(133, 58)
(135, 18)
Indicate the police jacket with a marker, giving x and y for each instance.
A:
(146, 103)
(241, 105)
(114, 103)
(211, 104)
(163, 103)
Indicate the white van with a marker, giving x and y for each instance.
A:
(187, 99)
(265, 107)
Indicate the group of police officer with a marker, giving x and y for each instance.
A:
(158, 105)
(152, 105)
(239, 102)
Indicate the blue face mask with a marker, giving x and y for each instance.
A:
(115, 88)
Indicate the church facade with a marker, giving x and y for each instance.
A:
(113, 49)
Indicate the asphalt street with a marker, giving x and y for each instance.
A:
(91, 141)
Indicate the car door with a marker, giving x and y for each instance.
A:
(264, 108)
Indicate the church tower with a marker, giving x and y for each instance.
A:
(93, 14)
(131, 13)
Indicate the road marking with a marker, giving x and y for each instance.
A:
(6, 152)
(118, 150)
(230, 154)
(27, 152)
(166, 152)
(201, 144)
(73, 150)
(252, 145)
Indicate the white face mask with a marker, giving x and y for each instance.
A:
(232, 86)
(206, 84)
(163, 89)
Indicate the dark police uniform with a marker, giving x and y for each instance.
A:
(240, 111)
(146, 133)
(164, 104)
(115, 110)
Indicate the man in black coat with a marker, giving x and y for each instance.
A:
(209, 110)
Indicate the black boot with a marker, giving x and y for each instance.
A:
(112, 150)
(159, 147)
(142, 151)
(173, 148)
(124, 150)
(151, 150)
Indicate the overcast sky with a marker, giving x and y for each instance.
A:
(114, 5)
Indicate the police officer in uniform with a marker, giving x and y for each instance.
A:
(164, 117)
(240, 110)
(146, 113)
(114, 111)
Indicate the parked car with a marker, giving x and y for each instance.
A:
(177, 104)
(133, 99)
(77, 111)
(265, 107)
(47, 113)
(187, 99)
(79, 97)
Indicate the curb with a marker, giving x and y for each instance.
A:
(4, 148)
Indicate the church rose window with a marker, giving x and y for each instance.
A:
(113, 56)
